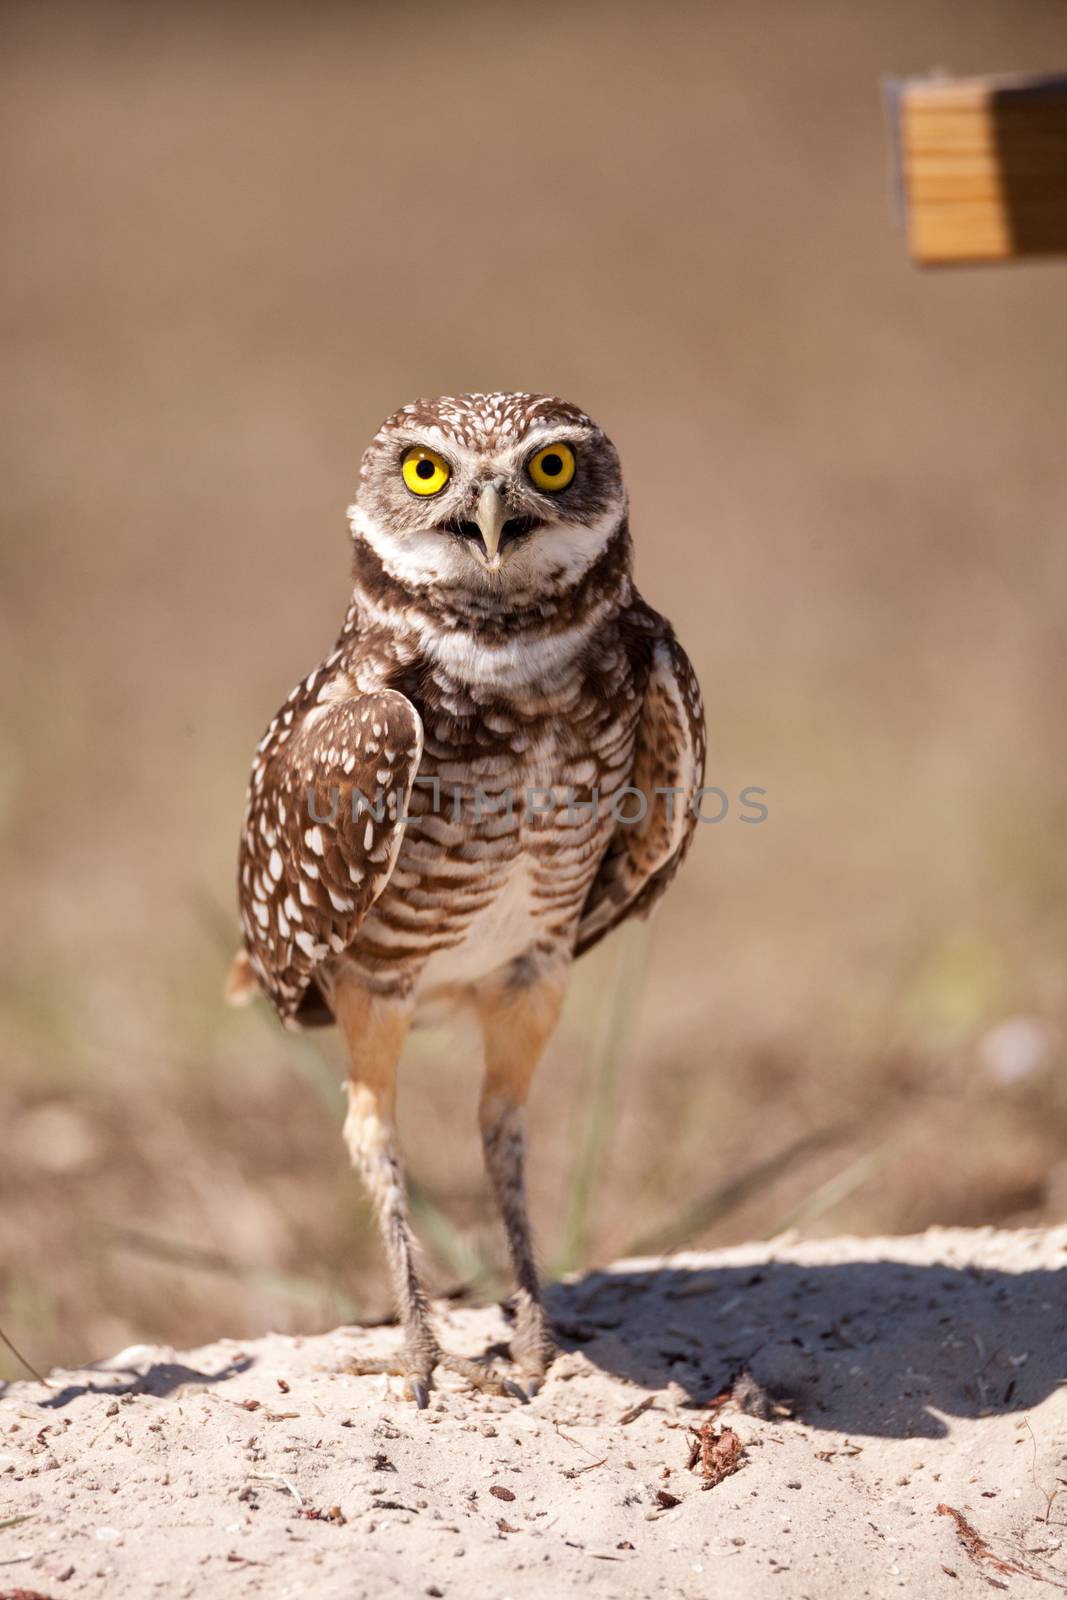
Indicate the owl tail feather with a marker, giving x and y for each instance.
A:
(241, 986)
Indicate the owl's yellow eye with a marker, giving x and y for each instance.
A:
(424, 471)
(552, 468)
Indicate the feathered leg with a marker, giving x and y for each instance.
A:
(518, 1017)
(375, 1028)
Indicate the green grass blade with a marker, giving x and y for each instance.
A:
(702, 1213)
(835, 1189)
(600, 1092)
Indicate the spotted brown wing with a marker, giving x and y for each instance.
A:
(646, 851)
(321, 835)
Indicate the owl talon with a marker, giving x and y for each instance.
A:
(418, 1376)
(418, 1380)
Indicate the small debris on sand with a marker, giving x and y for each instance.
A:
(718, 1454)
(207, 1492)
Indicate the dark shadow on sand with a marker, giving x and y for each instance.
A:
(882, 1348)
(163, 1377)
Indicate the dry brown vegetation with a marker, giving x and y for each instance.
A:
(237, 237)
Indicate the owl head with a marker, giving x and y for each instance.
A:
(500, 493)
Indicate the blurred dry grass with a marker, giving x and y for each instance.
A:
(238, 236)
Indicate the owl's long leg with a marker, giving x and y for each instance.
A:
(375, 1028)
(518, 1017)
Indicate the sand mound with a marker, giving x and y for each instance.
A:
(898, 1425)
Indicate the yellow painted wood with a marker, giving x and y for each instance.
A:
(983, 167)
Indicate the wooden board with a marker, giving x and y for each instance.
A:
(982, 166)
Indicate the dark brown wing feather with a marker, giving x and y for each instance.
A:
(322, 832)
(645, 853)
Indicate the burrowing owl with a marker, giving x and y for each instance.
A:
(494, 766)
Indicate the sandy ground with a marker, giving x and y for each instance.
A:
(901, 1376)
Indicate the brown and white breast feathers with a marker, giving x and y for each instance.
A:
(516, 838)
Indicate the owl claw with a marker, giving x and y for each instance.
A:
(418, 1376)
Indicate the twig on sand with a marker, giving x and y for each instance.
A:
(576, 1472)
(280, 1481)
(571, 1440)
(1049, 1494)
(978, 1550)
(636, 1411)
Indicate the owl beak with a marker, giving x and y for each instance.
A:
(490, 515)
